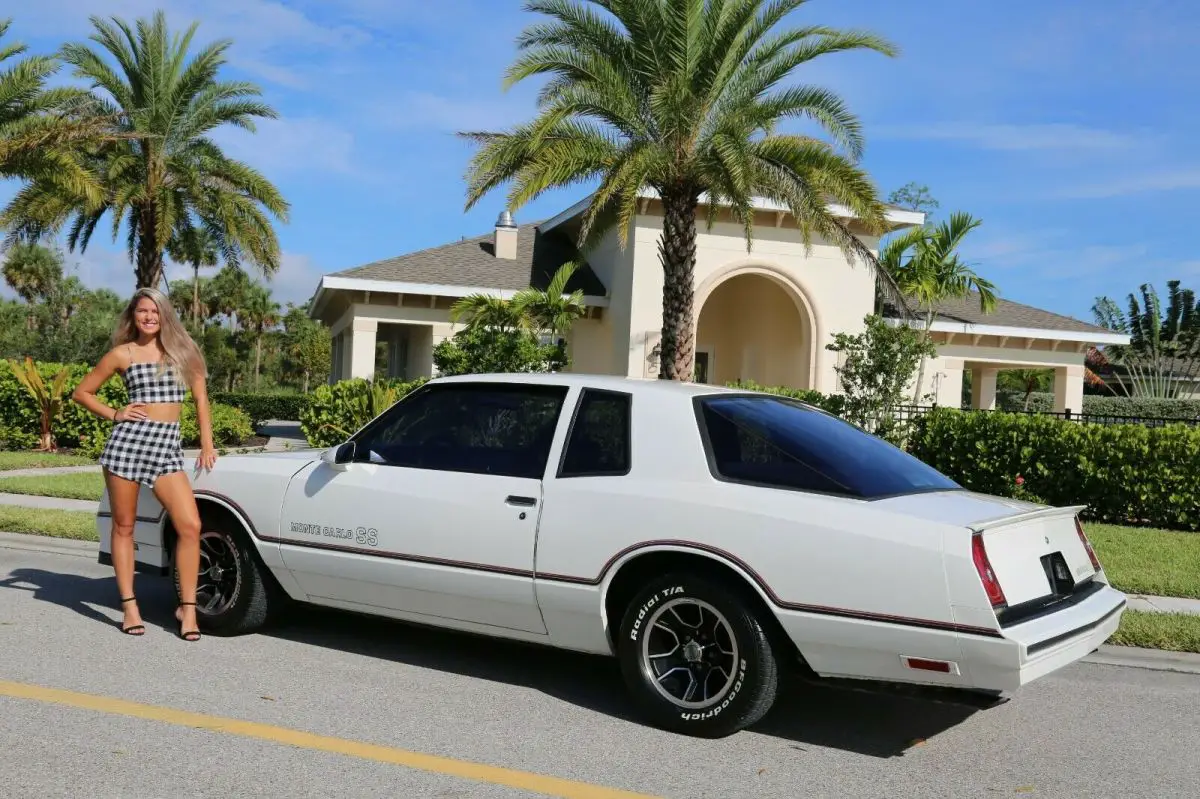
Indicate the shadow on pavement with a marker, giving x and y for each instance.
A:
(807, 715)
(156, 596)
(873, 724)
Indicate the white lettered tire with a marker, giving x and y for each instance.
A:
(695, 658)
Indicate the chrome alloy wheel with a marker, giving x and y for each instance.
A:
(689, 653)
(220, 579)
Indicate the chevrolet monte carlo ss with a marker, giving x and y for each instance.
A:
(708, 538)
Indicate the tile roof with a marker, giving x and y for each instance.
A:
(472, 262)
(965, 310)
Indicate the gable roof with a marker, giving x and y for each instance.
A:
(963, 315)
(472, 263)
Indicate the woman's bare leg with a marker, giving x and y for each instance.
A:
(174, 492)
(123, 498)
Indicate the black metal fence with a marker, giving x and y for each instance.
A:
(908, 413)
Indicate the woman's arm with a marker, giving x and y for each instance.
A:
(208, 453)
(85, 392)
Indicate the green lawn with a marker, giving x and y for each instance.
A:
(73, 485)
(1176, 632)
(1148, 561)
(76, 524)
(10, 460)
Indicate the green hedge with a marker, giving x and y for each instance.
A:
(335, 411)
(261, 407)
(1125, 474)
(833, 403)
(78, 429)
(1102, 405)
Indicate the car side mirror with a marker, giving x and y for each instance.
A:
(339, 457)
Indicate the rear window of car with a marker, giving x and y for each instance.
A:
(775, 441)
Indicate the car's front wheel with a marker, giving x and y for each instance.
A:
(233, 593)
(695, 657)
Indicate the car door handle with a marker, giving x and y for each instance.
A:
(515, 500)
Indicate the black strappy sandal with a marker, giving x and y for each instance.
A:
(133, 629)
(187, 635)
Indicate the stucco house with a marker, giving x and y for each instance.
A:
(764, 315)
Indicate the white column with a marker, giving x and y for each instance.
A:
(983, 389)
(1068, 389)
(362, 348)
(947, 381)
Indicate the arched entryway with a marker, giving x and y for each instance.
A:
(754, 326)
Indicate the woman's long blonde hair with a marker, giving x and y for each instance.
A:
(178, 348)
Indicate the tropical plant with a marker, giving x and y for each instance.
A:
(1163, 354)
(49, 399)
(491, 311)
(552, 309)
(197, 248)
(257, 314)
(933, 270)
(683, 99)
(163, 172)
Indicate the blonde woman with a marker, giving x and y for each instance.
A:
(158, 361)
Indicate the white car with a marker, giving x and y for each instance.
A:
(706, 537)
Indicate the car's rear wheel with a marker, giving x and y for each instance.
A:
(695, 657)
(233, 593)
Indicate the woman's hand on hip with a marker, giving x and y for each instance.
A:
(134, 412)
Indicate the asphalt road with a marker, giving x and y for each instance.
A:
(1094, 730)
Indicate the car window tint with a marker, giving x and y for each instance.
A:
(600, 437)
(481, 428)
(775, 441)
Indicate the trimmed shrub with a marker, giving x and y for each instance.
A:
(1125, 474)
(833, 403)
(261, 407)
(336, 411)
(1104, 405)
(230, 426)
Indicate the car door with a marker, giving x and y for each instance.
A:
(436, 513)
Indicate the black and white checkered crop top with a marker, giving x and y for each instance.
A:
(144, 383)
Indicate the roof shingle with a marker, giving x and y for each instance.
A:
(966, 310)
(473, 263)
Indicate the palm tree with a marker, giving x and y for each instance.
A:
(552, 309)
(194, 246)
(32, 271)
(257, 313)
(37, 123)
(163, 172)
(488, 310)
(682, 98)
(1163, 353)
(934, 272)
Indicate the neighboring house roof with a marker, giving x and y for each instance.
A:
(963, 314)
(472, 262)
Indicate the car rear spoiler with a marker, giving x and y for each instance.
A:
(1026, 516)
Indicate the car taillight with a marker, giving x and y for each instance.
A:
(1087, 544)
(988, 577)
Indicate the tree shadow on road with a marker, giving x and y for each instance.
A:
(156, 597)
(873, 724)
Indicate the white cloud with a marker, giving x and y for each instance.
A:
(1164, 180)
(296, 279)
(1014, 137)
(292, 146)
(446, 114)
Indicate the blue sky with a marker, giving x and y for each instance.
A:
(1068, 127)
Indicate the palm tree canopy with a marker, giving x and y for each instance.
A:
(686, 98)
(164, 172)
(934, 271)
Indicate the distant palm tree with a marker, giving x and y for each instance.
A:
(683, 98)
(258, 312)
(196, 247)
(551, 308)
(488, 310)
(167, 170)
(933, 271)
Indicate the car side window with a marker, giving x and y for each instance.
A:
(482, 428)
(599, 441)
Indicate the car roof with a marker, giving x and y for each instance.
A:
(632, 385)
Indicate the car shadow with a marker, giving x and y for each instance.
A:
(806, 715)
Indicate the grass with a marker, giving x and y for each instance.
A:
(1148, 561)
(14, 459)
(73, 485)
(77, 524)
(1174, 632)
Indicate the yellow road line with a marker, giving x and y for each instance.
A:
(495, 775)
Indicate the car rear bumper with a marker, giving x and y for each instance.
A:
(1035, 648)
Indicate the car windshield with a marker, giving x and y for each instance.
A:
(776, 441)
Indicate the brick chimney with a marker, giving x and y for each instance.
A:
(505, 239)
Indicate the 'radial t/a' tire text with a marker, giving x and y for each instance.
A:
(695, 657)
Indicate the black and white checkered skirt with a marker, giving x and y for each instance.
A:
(143, 450)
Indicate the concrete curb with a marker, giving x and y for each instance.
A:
(49, 503)
(1133, 657)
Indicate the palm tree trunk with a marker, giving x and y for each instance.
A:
(149, 269)
(196, 295)
(677, 252)
(257, 357)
